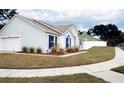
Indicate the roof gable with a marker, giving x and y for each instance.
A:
(64, 28)
(43, 25)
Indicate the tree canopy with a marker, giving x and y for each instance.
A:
(109, 33)
(5, 15)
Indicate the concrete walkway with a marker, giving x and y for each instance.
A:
(101, 70)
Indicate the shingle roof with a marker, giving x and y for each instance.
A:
(64, 28)
(47, 27)
(59, 30)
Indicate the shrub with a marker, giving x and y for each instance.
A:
(61, 51)
(39, 50)
(54, 50)
(76, 49)
(31, 50)
(25, 50)
(70, 50)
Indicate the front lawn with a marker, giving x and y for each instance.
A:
(122, 47)
(76, 78)
(94, 55)
(119, 69)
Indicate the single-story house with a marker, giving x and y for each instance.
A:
(25, 32)
(22, 32)
(87, 41)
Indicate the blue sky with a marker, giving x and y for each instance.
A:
(83, 18)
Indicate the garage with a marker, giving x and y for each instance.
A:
(11, 43)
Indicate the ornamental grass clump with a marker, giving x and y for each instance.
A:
(38, 50)
(53, 51)
(76, 49)
(61, 51)
(31, 50)
(25, 50)
(70, 50)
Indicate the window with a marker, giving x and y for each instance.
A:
(52, 41)
(81, 44)
(68, 41)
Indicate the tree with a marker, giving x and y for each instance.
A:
(90, 31)
(80, 33)
(109, 33)
(5, 15)
(121, 38)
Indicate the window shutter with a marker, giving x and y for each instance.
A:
(66, 42)
(56, 40)
(49, 41)
(70, 42)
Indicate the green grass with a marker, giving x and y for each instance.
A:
(76, 78)
(94, 55)
(122, 47)
(119, 69)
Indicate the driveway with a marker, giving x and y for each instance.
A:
(101, 70)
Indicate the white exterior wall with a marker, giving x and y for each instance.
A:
(89, 44)
(72, 32)
(61, 42)
(75, 33)
(0, 44)
(31, 36)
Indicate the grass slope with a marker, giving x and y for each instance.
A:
(119, 69)
(94, 55)
(76, 78)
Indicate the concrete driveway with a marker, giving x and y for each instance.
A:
(101, 70)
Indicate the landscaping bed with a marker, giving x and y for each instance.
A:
(22, 61)
(119, 69)
(76, 78)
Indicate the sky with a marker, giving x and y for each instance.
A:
(82, 18)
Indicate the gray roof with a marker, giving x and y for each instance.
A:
(49, 27)
(86, 37)
(64, 28)
(45, 26)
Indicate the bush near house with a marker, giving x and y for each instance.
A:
(53, 51)
(31, 50)
(61, 51)
(39, 50)
(76, 49)
(25, 50)
(57, 51)
(72, 49)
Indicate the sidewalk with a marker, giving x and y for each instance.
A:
(110, 76)
(101, 70)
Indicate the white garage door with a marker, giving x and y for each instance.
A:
(11, 44)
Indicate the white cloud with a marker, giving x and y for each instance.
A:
(85, 17)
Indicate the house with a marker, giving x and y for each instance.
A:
(25, 32)
(87, 41)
